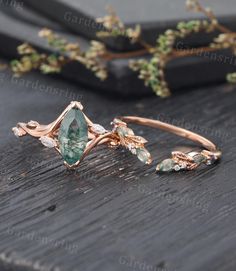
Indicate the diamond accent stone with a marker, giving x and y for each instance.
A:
(132, 148)
(32, 124)
(48, 142)
(16, 131)
(183, 165)
(98, 129)
(210, 162)
(177, 168)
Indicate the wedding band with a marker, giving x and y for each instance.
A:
(209, 155)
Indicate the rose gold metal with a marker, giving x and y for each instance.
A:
(114, 138)
(171, 129)
(211, 152)
(111, 138)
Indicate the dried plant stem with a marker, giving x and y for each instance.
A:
(108, 56)
(175, 54)
(145, 45)
(212, 17)
(151, 70)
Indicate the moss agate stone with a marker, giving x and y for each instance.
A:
(166, 166)
(143, 155)
(73, 136)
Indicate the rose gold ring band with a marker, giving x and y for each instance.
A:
(74, 135)
(180, 160)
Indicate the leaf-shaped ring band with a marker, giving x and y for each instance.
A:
(180, 160)
(74, 135)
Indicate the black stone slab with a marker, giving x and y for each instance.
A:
(182, 73)
(115, 214)
(18, 10)
(154, 16)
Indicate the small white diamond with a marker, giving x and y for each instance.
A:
(32, 124)
(98, 129)
(16, 131)
(177, 168)
(208, 162)
(132, 148)
(48, 142)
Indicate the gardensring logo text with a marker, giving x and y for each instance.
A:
(137, 265)
(17, 5)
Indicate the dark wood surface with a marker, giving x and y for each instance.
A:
(114, 213)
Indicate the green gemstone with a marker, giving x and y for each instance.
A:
(124, 131)
(73, 136)
(143, 155)
(166, 165)
(199, 158)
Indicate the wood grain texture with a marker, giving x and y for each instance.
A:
(113, 213)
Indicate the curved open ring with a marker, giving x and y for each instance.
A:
(179, 160)
(74, 135)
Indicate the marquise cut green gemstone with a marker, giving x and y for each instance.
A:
(166, 165)
(73, 136)
(143, 155)
(124, 131)
(199, 158)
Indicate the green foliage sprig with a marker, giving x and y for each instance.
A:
(31, 59)
(152, 71)
(66, 52)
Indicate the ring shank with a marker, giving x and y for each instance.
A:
(173, 129)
